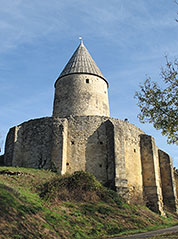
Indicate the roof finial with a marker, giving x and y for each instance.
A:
(81, 40)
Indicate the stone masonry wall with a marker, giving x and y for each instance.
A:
(131, 159)
(121, 182)
(176, 180)
(80, 95)
(119, 154)
(108, 148)
(59, 144)
(168, 181)
(88, 146)
(9, 147)
(32, 144)
(151, 174)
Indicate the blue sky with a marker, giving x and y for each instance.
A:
(127, 39)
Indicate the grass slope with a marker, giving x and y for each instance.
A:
(41, 204)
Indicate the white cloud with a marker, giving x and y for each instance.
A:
(24, 21)
(118, 21)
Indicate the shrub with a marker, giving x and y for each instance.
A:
(80, 186)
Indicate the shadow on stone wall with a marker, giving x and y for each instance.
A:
(100, 160)
(2, 160)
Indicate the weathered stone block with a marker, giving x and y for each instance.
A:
(168, 181)
(151, 174)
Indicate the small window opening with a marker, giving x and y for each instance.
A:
(134, 150)
(72, 142)
(67, 164)
(87, 81)
(101, 142)
(100, 165)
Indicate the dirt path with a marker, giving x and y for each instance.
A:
(149, 234)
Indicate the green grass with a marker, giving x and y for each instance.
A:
(41, 204)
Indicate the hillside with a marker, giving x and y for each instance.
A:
(41, 204)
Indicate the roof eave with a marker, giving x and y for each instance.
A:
(86, 73)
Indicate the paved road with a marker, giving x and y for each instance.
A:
(149, 234)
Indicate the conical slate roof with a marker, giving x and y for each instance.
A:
(81, 62)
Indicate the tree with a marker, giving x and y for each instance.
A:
(159, 105)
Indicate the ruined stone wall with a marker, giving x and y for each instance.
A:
(9, 147)
(121, 182)
(119, 154)
(59, 144)
(108, 148)
(88, 139)
(176, 180)
(131, 158)
(80, 95)
(151, 174)
(168, 181)
(32, 144)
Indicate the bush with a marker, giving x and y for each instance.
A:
(80, 186)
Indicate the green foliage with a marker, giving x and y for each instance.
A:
(159, 105)
(7, 198)
(113, 229)
(93, 208)
(80, 186)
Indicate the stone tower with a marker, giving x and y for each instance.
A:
(81, 89)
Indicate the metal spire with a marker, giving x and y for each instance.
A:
(81, 40)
